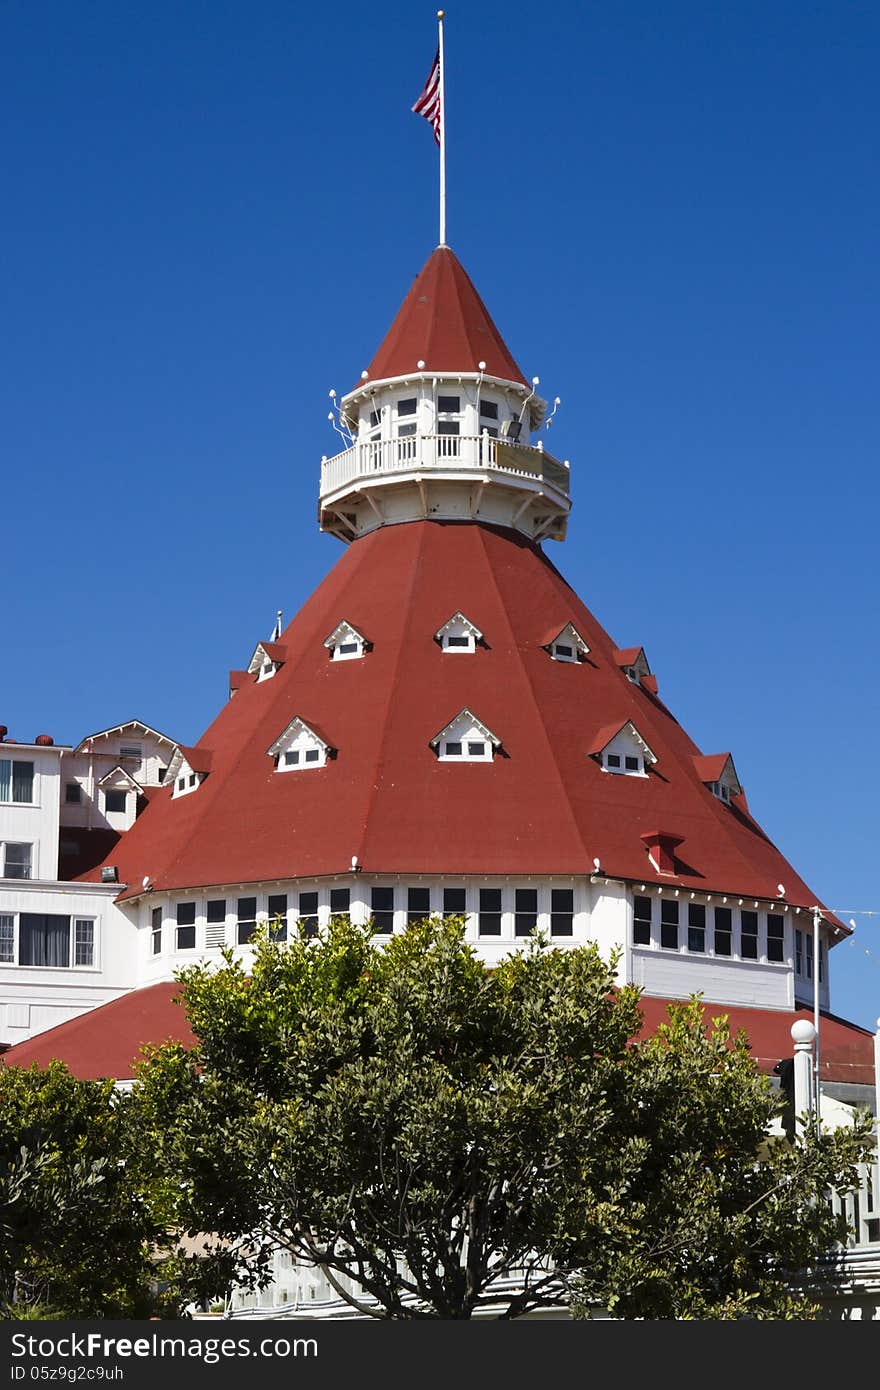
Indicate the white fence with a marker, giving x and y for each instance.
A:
(368, 457)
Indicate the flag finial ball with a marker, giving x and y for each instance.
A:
(439, 14)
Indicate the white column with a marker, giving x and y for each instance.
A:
(803, 1036)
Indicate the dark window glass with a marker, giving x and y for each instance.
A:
(809, 942)
(340, 902)
(489, 410)
(216, 910)
(382, 908)
(669, 924)
(43, 939)
(696, 927)
(22, 781)
(641, 921)
(17, 860)
(346, 648)
(490, 912)
(631, 764)
(775, 937)
(748, 935)
(181, 783)
(156, 924)
(526, 914)
(448, 404)
(418, 904)
(247, 920)
(312, 755)
(458, 641)
(192, 779)
(723, 930)
(186, 914)
(822, 950)
(308, 913)
(186, 938)
(291, 758)
(453, 750)
(114, 801)
(453, 902)
(562, 912)
(476, 750)
(375, 419)
(404, 431)
(161, 774)
(799, 952)
(612, 759)
(73, 792)
(562, 650)
(186, 931)
(277, 907)
(408, 407)
(447, 427)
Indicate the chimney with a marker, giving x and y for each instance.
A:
(44, 740)
(661, 846)
(3, 732)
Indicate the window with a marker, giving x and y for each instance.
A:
(16, 781)
(215, 922)
(669, 924)
(115, 800)
(291, 758)
(348, 648)
(822, 952)
(418, 904)
(490, 912)
(73, 793)
(277, 909)
(308, 913)
(723, 930)
(775, 936)
(720, 790)
(612, 760)
(488, 410)
(809, 942)
(132, 752)
(476, 750)
(160, 775)
(156, 930)
(525, 919)
(632, 764)
(448, 427)
(340, 902)
(313, 755)
(454, 902)
(7, 937)
(799, 952)
(748, 947)
(563, 652)
(43, 939)
(246, 925)
(408, 407)
(562, 912)
(696, 927)
(460, 642)
(451, 749)
(451, 405)
(17, 860)
(641, 921)
(181, 784)
(382, 909)
(186, 927)
(83, 941)
(192, 779)
(624, 763)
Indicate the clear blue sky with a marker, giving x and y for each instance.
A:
(210, 214)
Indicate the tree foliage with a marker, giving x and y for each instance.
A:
(453, 1138)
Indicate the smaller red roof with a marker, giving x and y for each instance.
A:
(199, 759)
(238, 678)
(628, 656)
(710, 766)
(276, 651)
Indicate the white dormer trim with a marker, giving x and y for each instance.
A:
(572, 645)
(458, 634)
(262, 664)
(727, 785)
(116, 777)
(624, 752)
(181, 777)
(466, 739)
(298, 747)
(636, 668)
(345, 643)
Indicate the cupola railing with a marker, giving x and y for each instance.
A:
(369, 457)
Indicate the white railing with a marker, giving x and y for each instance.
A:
(861, 1207)
(369, 457)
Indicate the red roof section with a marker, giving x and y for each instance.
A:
(107, 1041)
(710, 766)
(545, 807)
(444, 323)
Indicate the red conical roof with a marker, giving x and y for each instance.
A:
(444, 323)
(543, 805)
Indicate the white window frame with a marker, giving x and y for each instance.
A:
(34, 782)
(32, 861)
(74, 921)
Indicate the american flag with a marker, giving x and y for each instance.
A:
(428, 103)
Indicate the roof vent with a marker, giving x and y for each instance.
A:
(109, 874)
(3, 732)
(44, 740)
(661, 846)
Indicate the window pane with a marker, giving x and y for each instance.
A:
(641, 921)
(669, 924)
(458, 641)
(346, 648)
(156, 918)
(340, 901)
(405, 431)
(22, 781)
(749, 935)
(447, 427)
(418, 904)
(7, 937)
(276, 906)
(476, 750)
(490, 912)
(382, 909)
(114, 801)
(526, 915)
(453, 750)
(247, 920)
(562, 912)
(450, 404)
(453, 902)
(5, 779)
(631, 764)
(407, 407)
(612, 759)
(18, 862)
(186, 914)
(73, 793)
(216, 911)
(775, 937)
(308, 913)
(723, 930)
(186, 938)
(696, 927)
(291, 758)
(43, 939)
(489, 410)
(312, 755)
(84, 942)
(799, 952)
(562, 650)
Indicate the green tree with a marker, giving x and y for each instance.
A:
(403, 1117)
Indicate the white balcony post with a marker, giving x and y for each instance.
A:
(803, 1036)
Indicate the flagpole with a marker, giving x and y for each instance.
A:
(442, 134)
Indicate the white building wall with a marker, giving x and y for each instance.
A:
(35, 823)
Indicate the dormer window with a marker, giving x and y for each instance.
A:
(268, 658)
(300, 746)
(633, 662)
(621, 749)
(567, 645)
(458, 634)
(465, 739)
(187, 770)
(717, 772)
(345, 643)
